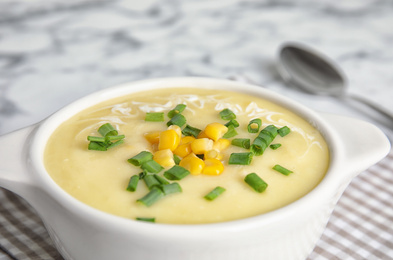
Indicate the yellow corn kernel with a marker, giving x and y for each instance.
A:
(164, 158)
(215, 130)
(183, 150)
(213, 154)
(213, 167)
(221, 144)
(192, 163)
(202, 135)
(202, 145)
(153, 137)
(169, 139)
(176, 128)
(187, 139)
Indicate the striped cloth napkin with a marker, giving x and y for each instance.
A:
(361, 226)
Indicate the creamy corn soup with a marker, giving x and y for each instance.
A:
(100, 178)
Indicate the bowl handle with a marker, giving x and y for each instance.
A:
(363, 143)
(13, 160)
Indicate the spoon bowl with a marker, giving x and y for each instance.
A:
(317, 74)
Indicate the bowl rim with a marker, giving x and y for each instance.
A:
(326, 188)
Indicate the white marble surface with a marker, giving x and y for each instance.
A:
(54, 52)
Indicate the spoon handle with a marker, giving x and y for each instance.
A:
(388, 114)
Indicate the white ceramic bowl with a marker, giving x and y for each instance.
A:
(82, 233)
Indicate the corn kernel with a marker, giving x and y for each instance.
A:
(192, 163)
(164, 158)
(221, 144)
(176, 128)
(169, 139)
(213, 154)
(187, 139)
(213, 167)
(202, 135)
(202, 145)
(153, 137)
(183, 150)
(215, 130)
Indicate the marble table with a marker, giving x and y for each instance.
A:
(54, 52)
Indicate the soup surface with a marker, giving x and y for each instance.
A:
(100, 178)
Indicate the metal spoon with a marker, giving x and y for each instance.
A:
(317, 74)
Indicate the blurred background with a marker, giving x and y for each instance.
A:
(54, 52)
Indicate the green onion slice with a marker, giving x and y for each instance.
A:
(233, 122)
(171, 188)
(177, 159)
(282, 170)
(212, 195)
(189, 130)
(176, 173)
(154, 117)
(152, 197)
(256, 182)
(241, 142)
(254, 125)
(142, 175)
(283, 131)
(151, 181)
(240, 158)
(227, 114)
(263, 140)
(275, 146)
(107, 130)
(146, 219)
(133, 183)
(177, 110)
(97, 146)
(178, 120)
(98, 139)
(141, 158)
(231, 132)
(152, 167)
(111, 145)
(161, 179)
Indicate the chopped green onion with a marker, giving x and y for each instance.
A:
(275, 146)
(150, 198)
(178, 120)
(283, 131)
(97, 146)
(141, 158)
(114, 137)
(161, 179)
(151, 181)
(232, 122)
(241, 142)
(146, 219)
(177, 159)
(107, 130)
(133, 183)
(176, 173)
(171, 188)
(189, 130)
(227, 114)
(142, 175)
(154, 117)
(282, 170)
(152, 166)
(254, 125)
(111, 145)
(263, 140)
(256, 182)
(98, 139)
(240, 158)
(217, 191)
(231, 132)
(178, 109)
